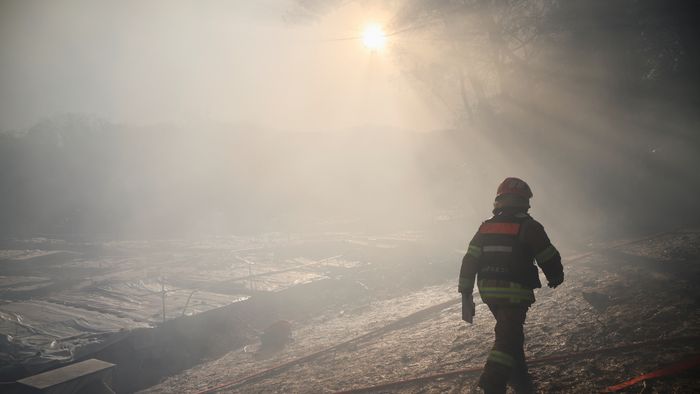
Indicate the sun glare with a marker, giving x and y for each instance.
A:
(373, 37)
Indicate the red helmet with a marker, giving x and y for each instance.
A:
(515, 186)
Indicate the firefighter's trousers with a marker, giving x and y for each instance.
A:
(506, 362)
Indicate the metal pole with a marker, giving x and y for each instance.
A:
(162, 286)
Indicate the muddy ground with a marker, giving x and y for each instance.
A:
(637, 292)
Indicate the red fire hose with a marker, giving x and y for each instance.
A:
(543, 360)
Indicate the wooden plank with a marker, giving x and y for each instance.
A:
(66, 374)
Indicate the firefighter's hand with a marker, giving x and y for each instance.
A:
(556, 281)
(468, 308)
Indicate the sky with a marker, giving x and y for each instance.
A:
(159, 69)
(241, 62)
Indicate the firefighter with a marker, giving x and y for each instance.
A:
(500, 257)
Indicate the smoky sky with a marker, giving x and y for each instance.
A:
(175, 108)
(252, 62)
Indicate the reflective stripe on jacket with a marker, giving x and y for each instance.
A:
(500, 291)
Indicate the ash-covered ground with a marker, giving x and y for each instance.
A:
(60, 300)
(622, 293)
(66, 300)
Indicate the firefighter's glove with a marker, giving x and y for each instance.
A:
(468, 308)
(555, 281)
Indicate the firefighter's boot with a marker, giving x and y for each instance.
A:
(493, 379)
(520, 378)
(522, 383)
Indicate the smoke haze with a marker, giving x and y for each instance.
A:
(189, 118)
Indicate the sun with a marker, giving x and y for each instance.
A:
(373, 37)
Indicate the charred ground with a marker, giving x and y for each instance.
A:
(640, 292)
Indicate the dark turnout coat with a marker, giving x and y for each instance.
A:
(502, 256)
